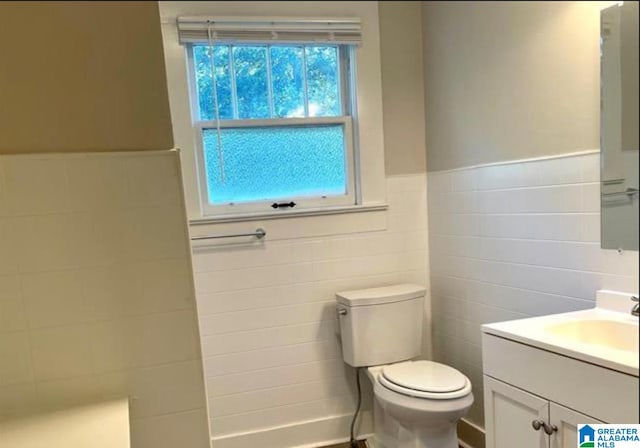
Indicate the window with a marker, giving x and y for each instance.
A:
(277, 129)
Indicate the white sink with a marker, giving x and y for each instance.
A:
(606, 335)
(600, 332)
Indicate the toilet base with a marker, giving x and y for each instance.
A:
(390, 433)
(402, 421)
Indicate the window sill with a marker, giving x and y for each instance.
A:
(284, 214)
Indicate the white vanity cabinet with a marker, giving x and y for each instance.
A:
(566, 421)
(511, 413)
(526, 387)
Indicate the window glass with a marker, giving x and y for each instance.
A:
(252, 91)
(270, 163)
(281, 159)
(323, 81)
(204, 82)
(288, 81)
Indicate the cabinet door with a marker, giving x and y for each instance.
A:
(509, 414)
(566, 420)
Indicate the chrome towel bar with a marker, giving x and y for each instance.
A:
(259, 233)
(628, 192)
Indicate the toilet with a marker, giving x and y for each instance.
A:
(417, 403)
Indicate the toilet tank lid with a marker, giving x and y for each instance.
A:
(378, 296)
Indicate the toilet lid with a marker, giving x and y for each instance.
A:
(425, 376)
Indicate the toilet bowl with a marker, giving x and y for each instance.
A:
(417, 403)
(404, 420)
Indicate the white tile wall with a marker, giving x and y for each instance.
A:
(96, 291)
(268, 323)
(515, 240)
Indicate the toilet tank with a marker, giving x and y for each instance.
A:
(381, 325)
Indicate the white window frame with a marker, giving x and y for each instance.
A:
(348, 95)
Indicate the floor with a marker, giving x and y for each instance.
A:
(361, 444)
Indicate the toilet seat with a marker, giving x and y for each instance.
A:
(425, 379)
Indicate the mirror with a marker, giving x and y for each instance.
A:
(619, 126)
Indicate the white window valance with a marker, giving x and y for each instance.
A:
(269, 30)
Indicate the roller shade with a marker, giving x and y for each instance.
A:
(269, 30)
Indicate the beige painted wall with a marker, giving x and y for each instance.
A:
(402, 87)
(509, 80)
(82, 76)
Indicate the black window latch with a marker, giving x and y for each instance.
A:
(283, 204)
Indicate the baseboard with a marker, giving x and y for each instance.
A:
(470, 435)
(306, 434)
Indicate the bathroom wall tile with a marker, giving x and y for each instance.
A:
(271, 317)
(590, 201)
(463, 225)
(35, 185)
(115, 385)
(12, 316)
(4, 210)
(159, 233)
(501, 176)
(557, 226)
(438, 202)
(591, 257)
(367, 245)
(163, 338)
(410, 182)
(555, 199)
(263, 419)
(590, 227)
(17, 399)
(415, 241)
(254, 277)
(590, 168)
(171, 430)
(109, 291)
(211, 259)
(462, 202)
(553, 281)
(464, 180)
(267, 311)
(255, 298)
(154, 180)
(271, 357)
(326, 289)
(343, 247)
(16, 365)
(53, 298)
(407, 201)
(439, 182)
(67, 392)
(162, 286)
(281, 396)
(592, 281)
(111, 346)
(48, 242)
(537, 252)
(61, 352)
(166, 389)
(105, 238)
(494, 201)
(97, 183)
(96, 294)
(268, 337)
(560, 170)
(8, 247)
(274, 377)
(406, 222)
